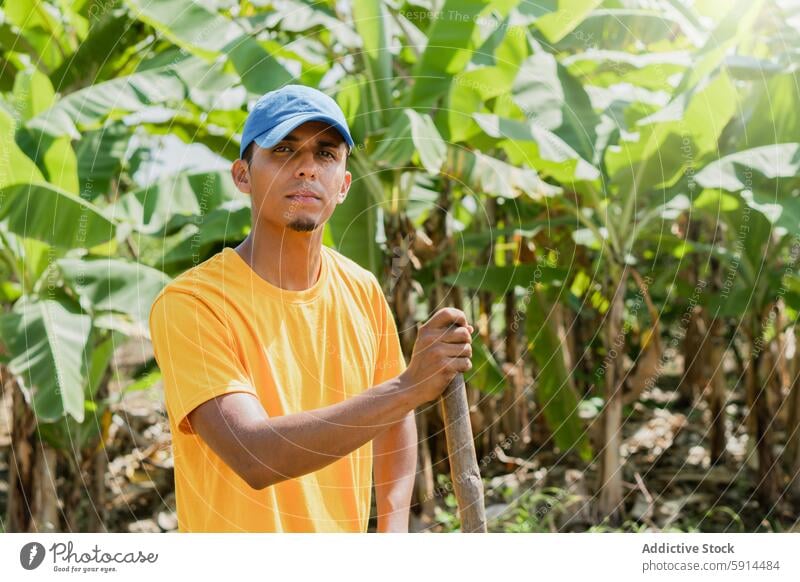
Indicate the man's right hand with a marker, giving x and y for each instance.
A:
(443, 349)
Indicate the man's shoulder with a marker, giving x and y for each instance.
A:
(199, 283)
(353, 274)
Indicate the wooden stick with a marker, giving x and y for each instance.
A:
(463, 462)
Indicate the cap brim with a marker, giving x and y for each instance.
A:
(273, 136)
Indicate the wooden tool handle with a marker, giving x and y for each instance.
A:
(463, 463)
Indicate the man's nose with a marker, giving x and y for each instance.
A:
(306, 166)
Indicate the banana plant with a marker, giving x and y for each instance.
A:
(622, 140)
(753, 191)
(485, 136)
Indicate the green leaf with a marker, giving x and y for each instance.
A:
(395, 147)
(53, 216)
(41, 30)
(33, 93)
(779, 210)
(164, 87)
(451, 40)
(15, 166)
(545, 91)
(631, 30)
(534, 146)
(605, 68)
(169, 204)
(485, 174)
(780, 100)
(353, 225)
(468, 94)
(46, 342)
(486, 374)
(187, 24)
(765, 178)
(100, 359)
(471, 89)
(672, 140)
(259, 70)
(61, 163)
(223, 226)
(114, 285)
(297, 16)
(33, 256)
(102, 156)
(372, 23)
(558, 24)
(761, 167)
(554, 391)
(429, 144)
(208, 35)
(110, 41)
(730, 32)
(703, 111)
(500, 280)
(147, 381)
(89, 108)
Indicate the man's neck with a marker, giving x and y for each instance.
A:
(285, 258)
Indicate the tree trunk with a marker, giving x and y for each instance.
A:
(32, 497)
(695, 334)
(694, 364)
(400, 235)
(716, 390)
(97, 508)
(610, 502)
(20, 462)
(647, 367)
(768, 486)
(509, 399)
(487, 434)
(792, 451)
(45, 511)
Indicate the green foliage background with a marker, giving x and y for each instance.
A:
(576, 148)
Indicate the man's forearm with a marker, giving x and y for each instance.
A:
(289, 446)
(395, 464)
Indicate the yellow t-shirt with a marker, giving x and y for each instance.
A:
(220, 328)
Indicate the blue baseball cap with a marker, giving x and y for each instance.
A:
(280, 111)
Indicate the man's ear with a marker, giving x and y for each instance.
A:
(348, 178)
(240, 172)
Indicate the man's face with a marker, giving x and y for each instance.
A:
(298, 182)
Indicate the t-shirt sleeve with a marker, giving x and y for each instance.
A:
(390, 361)
(194, 350)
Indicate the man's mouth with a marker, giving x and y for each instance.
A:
(306, 196)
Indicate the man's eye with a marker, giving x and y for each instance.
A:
(281, 147)
(329, 154)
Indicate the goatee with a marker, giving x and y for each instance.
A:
(301, 225)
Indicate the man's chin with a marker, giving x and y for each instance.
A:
(302, 225)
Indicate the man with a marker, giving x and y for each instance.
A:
(284, 380)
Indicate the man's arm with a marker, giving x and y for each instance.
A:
(394, 453)
(265, 451)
